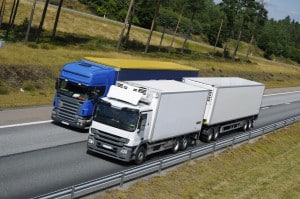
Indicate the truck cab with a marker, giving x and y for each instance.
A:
(78, 87)
(120, 127)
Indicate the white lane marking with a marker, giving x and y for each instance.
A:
(281, 93)
(266, 107)
(287, 103)
(25, 124)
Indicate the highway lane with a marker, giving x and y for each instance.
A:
(41, 171)
(18, 138)
(280, 98)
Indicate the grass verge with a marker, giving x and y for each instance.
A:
(268, 168)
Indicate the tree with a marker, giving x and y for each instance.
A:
(57, 18)
(12, 16)
(259, 21)
(30, 21)
(42, 22)
(152, 24)
(178, 22)
(248, 12)
(2, 11)
(193, 6)
(230, 9)
(125, 24)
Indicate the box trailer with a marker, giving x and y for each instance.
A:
(138, 118)
(232, 103)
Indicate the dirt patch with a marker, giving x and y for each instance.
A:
(16, 75)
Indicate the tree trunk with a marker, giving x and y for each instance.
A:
(237, 45)
(251, 40)
(2, 11)
(188, 32)
(125, 24)
(152, 25)
(12, 17)
(177, 26)
(42, 22)
(218, 35)
(30, 21)
(162, 37)
(57, 18)
(226, 44)
(129, 23)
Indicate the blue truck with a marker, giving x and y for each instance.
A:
(81, 83)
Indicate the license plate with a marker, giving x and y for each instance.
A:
(107, 147)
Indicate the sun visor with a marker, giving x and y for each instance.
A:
(125, 95)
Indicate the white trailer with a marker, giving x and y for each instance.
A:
(232, 103)
(138, 118)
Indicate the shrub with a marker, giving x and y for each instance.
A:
(4, 90)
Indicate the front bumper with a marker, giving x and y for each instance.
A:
(80, 122)
(124, 154)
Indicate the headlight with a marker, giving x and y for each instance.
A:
(91, 141)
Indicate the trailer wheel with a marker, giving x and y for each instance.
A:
(176, 146)
(140, 155)
(245, 125)
(216, 133)
(250, 124)
(207, 137)
(184, 142)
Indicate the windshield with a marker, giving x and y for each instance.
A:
(125, 118)
(79, 91)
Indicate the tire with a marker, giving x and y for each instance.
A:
(207, 137)
(250, 124)
(216, 134)
(184, 143)
(176, 146)
(140, 156)
(245, 125)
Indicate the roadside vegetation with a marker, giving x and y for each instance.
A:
(267, 168)
(28, 70)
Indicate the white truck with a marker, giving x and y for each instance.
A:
(232, 103)
(139, 118)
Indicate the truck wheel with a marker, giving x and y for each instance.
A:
(176, 146)
(140, 155)
(184, 142)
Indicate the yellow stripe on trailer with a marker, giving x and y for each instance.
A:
(140, 64)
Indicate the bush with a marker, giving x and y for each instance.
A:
(4, 90)
(29, 85)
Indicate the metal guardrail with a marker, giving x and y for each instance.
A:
(118, 179)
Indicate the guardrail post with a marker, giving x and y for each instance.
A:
(73, 192)
(190, 156)
(233, 142)
(249, 133)
(214, 149)
(122, 179)
(160, 166)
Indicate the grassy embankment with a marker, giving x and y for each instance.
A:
(34, 67)
(268, 168)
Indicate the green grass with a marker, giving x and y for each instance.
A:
(268, 168)
(80, 36)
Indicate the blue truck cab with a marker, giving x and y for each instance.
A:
(80, 84)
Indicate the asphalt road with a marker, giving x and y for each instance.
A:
(32, 173)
